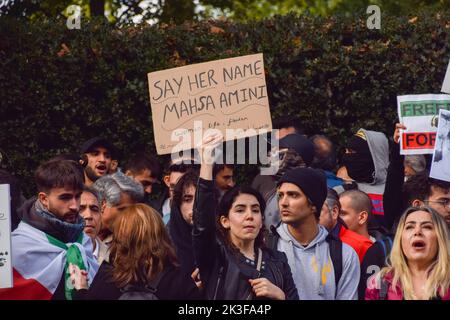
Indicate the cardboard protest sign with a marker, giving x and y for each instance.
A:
(222, 94)
(6, 274)
(446, 83)
(440, 167)
(419, 113)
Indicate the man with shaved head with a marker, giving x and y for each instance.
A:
(356, 208)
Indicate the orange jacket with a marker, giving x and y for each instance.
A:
(358, 242)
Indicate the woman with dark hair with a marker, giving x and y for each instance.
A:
(141, 258)
(228, 242)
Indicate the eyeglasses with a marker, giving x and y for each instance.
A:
(445, 202)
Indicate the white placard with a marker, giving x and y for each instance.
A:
(6, 274)
(446, 83)
(419, 113)
(440, 167)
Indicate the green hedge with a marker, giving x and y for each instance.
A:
(59, 87)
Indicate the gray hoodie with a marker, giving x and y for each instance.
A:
(313, 270)
(379, 149)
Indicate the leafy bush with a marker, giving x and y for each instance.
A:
(59, 87)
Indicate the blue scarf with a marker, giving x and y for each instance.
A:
(68, 231)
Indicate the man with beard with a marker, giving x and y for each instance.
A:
(97, 154)
(49, 243)
(144, 169)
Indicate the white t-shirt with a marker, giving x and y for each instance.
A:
(97, 248)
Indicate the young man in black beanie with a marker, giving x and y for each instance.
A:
(97, 155)
(295, 151)
(323, 268)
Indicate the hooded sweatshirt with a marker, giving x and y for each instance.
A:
(312, 268)
(379, 149)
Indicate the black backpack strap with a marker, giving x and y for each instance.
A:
(272, 238)
(388, 242)
(336, 257)
(151, 286)
(386, 245)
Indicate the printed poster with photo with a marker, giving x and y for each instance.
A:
(446, 83)
(440, 167)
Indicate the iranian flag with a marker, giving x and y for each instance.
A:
(40, 261)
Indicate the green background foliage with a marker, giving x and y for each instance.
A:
(59, 87)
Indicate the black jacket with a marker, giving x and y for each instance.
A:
(158, 203)
(393, 201)
(374, 260)
(225, 274)
(181, 235)
(174, 285)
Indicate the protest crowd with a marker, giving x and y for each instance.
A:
(374, 226)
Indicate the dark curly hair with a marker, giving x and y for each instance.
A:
(190, 178)
(419, 187)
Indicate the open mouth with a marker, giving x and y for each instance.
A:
(101, 168)
(418, 244)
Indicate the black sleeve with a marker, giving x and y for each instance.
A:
(373, 261)
(103, 287)
(289, 288)
(177, 285)
(81, 294)
(204, 228)
(392, 197)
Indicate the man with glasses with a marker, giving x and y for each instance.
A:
(420, 189)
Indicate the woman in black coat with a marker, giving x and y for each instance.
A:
(231, 256)
(141, 256)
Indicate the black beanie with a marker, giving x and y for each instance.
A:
(312, 182)
(300, 144)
